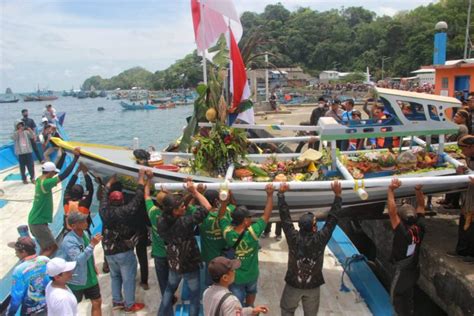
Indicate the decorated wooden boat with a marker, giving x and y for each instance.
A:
(309, 176)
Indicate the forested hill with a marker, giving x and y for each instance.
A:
(349, 39)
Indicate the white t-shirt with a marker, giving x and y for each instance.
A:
(60, 302)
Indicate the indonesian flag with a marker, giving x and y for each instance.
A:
(239, 85)
(211, 19)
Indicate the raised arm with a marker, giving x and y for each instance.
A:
(224, 205)
(269, 205)
(420, 200)
(324, 235)
(391, 205)
(197, 195)
(285, 217)
(65, 174)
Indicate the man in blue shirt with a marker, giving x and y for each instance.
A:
(29, 280)
(348, 107)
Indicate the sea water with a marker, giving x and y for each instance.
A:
(113, 126)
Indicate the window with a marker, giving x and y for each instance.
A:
(433, 112)
(413, 111)
(444, 83)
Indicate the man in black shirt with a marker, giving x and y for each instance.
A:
(408, 225)
(29, 123)
(306, 254)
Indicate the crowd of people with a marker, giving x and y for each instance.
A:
(52, 280)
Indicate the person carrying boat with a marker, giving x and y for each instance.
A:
(408, 225)
(465, 243)
(78, 246)
(48, 146)
(119, 240)
(158, 249)
(22, 138)
(217, 299)
(30, 124)
(242, 236)
(42, 210)
(212, 240)
(304, 276)
(74, 199)
(177, 230)
(29, 280)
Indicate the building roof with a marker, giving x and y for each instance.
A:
(424, 71)
(459, 61)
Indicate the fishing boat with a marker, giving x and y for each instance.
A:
(9, 99)
(140, 106)
(428, 117)
(40, 95)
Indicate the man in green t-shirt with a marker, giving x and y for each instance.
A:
(41, 213)
(245, 284)
(212, 241)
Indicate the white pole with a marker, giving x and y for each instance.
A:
(275, 127)
(293, 139)
(324, 185)
(266, 78)
(466, 40)
(347, 175)
(202, 31)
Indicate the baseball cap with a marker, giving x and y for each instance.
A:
(306, 222)
(406, 211)
(50, 166)
(57, 266)
(76, 217)
(24, 244)
(44, 119)
(220, 266)
(239, 214)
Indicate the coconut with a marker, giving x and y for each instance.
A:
(211, 115)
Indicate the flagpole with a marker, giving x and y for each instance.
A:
(201, 29)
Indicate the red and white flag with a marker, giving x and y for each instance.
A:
(239, 85)
(211, 19)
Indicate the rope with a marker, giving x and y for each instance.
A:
(347, 267)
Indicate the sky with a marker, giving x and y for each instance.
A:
(57, 44)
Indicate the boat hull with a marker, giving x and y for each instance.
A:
(301, 200)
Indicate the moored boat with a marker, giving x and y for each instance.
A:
(140, 106)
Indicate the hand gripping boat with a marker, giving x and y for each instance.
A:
(427, 117)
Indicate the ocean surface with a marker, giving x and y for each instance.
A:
(113, 126)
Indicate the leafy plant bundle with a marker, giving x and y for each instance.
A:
(214, 152)
(387, 160)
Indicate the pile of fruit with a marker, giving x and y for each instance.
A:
(360, 164)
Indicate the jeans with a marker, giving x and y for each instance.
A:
(123, 270)
(193, 279)
(291, 297)
(162, 273)
(242, 290)
(26, 160)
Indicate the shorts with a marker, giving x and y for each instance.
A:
(242, 290)
(43, 235)
(91, 293)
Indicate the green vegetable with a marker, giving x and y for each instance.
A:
(259, 172)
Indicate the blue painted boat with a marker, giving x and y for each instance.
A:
(135, 107)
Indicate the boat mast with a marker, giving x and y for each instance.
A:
(201, 29)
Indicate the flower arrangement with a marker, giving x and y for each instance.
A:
(215, 151)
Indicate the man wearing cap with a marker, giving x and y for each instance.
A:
(335, 111)
(77, 246)
(408, 226)
(60, 299)
(304, 276)
(217, 299)
(29, 280)
(48, 146)
(22, 138)
(177, 230)
(245, 285)
(42, 211)
(119, 241)
(30, 124)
